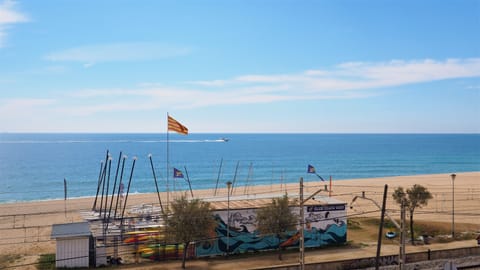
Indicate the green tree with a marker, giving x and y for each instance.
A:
(416, 196)
(276, 218)
(189, 221)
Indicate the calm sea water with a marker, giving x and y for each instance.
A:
(33, 166)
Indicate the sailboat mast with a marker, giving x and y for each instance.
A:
(250, 171)
(120, 188)
(103, 167)
(218, 177)
(188, 180)
(156, 184)
(235, 177)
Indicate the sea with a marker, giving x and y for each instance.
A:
(37, 166)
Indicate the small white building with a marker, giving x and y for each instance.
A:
(73, 244)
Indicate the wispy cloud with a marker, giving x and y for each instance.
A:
(352, 80)
(27, 114)
(23, 106)
(9, 16)
(117, 52)
(365, 75)
(473, 87)
(24, 103)
(210, 83)
(344, 81)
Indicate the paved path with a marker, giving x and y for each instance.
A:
(291, 257)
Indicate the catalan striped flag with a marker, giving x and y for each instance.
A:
(174, 125)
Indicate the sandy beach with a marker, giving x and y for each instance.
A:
(25, 227)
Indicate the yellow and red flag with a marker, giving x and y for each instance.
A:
(174, 125)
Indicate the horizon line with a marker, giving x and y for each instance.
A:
(260, 133)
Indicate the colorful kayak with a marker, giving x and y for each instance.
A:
(155, 252)
(143, 236)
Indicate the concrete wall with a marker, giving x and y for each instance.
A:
(385, 260)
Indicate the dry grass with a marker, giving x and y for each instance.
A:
(8, 259)
(439, 228)
(365, 230)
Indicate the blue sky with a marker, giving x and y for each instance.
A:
(240, 66)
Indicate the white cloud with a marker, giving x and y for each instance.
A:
(9, 16)
(18, 111)
(90, 93)
(359, 75)
(344, 81)
(25, 103)
(19, 106)
(117, 52)
(405, 72)
(210, 83)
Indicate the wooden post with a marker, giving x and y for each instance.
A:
(380, 229)
(330, 191)
(402, 236)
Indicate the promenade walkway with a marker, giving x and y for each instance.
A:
(257, 261)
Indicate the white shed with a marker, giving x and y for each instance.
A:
(73, 243)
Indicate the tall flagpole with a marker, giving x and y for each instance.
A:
(168, 164)
(173, 125)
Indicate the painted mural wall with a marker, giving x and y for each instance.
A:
(324, 225)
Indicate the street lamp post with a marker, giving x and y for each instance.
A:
(453, 204)
(229, 185)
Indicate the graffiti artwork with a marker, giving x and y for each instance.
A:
(324, 225)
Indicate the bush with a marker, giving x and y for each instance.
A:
(353, 225)
(46, 262)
